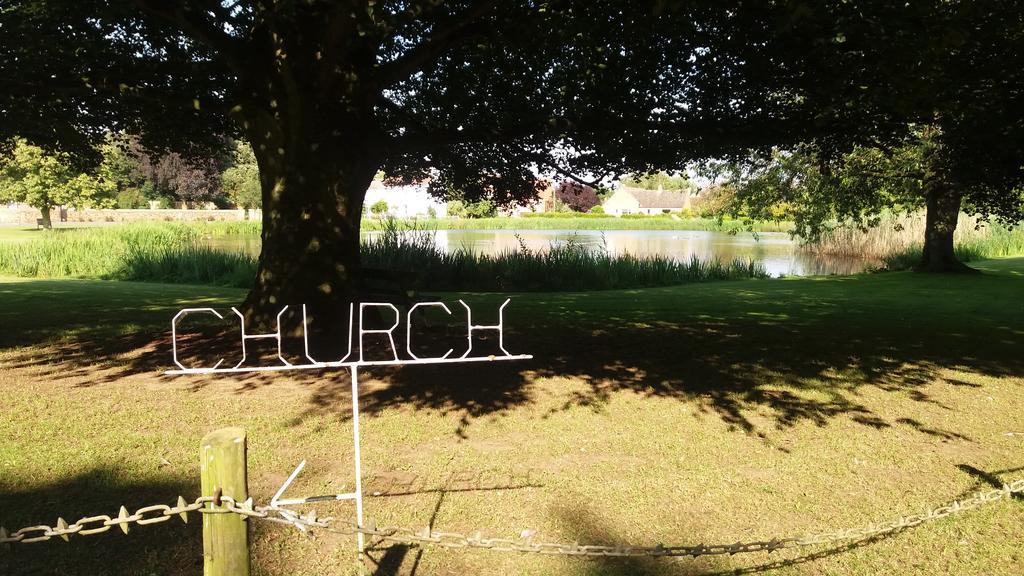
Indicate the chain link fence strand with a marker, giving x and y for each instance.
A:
(306, 522)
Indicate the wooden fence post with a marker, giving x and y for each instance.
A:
(225, 537)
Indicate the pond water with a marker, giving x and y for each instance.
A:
(774, 250)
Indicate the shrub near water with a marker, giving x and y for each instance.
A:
(173, 253)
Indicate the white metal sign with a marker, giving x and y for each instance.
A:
(356, 333)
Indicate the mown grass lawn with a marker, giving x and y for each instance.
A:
(17, 233)
(704, 413)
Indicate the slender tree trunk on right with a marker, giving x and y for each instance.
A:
(943, 211)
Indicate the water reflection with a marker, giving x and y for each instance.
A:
(775, 250)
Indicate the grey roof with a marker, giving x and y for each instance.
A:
(658, 198)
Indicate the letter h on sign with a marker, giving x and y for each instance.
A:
(470, 327)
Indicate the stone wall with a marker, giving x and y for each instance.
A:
(24, 215)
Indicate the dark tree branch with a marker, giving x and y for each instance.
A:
(542, 159)
(426, 139)
(419, 136)
(338, 28)
(219, 10)
(192, 23)
(421, 10)
(452, 33)
(229, 7)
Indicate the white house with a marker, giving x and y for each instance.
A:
(405, 201)
(628, 200)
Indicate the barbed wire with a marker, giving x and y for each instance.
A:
(156, 514)
(869, 531)
(309, 521)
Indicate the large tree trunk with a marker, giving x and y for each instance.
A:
(47, 224)
(308, 111)
(313, 194)
(943, 205)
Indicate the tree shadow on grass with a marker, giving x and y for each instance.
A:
(985, 480)
(587, 528)
(795, 355)
(170, 547)
(812, 367)
(582, 525)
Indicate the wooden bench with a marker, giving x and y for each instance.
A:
(39, 223)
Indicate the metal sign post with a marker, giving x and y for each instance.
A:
(357, 456)
(353, 367)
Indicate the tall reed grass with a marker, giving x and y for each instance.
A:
(896, 243)
(145, 252)
(172, 253)
(233, 228)
(568, 267)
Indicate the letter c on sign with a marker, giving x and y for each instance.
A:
(408, 330)
(174, 334)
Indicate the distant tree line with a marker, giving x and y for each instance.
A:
(130, 176)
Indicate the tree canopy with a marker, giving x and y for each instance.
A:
(478, 96)
(467, 93)
(941, 86)
(577, 197)
(172, 176)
